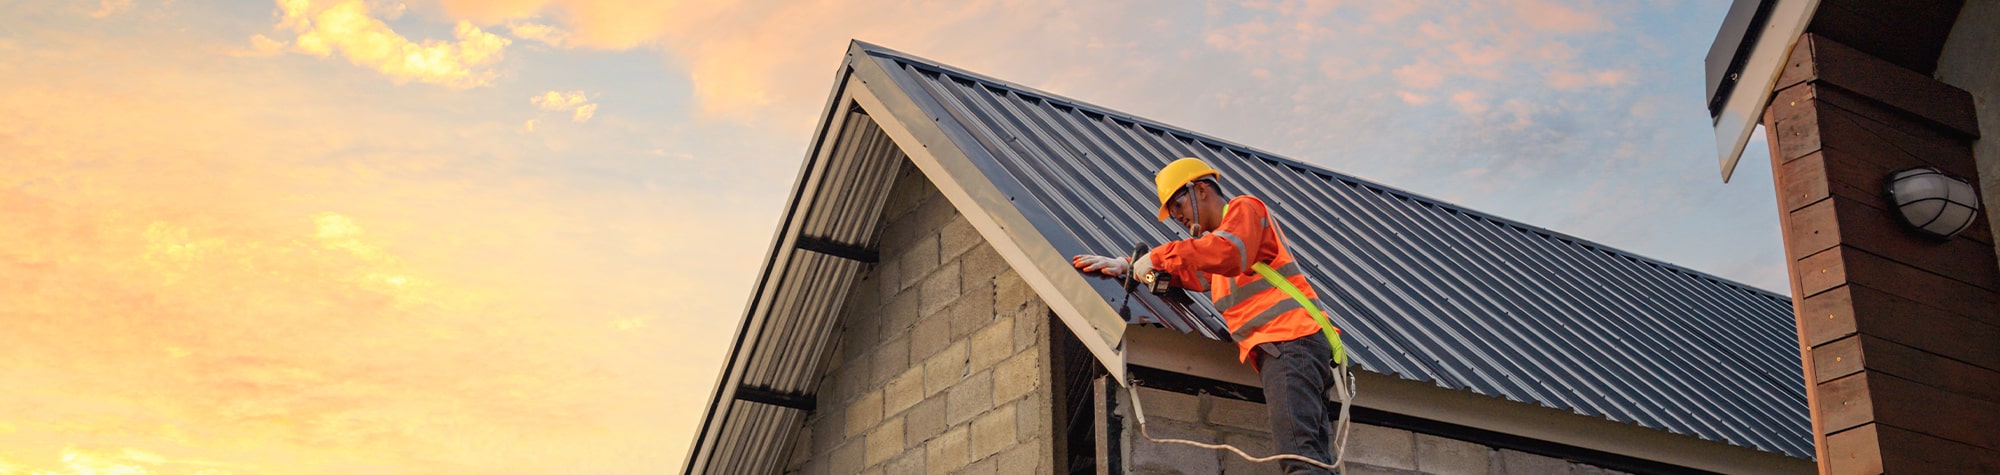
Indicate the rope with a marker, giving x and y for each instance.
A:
(1343, 386)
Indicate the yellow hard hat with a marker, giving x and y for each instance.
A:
(1178, 174)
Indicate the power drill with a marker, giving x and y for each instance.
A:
(1158, 282)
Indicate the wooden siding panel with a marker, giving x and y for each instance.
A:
(1802, 182)
(1840, 221)
(1828, 316)
(1838, 359)
(1916, 325)
(1910, 405)
(1846, 403)
(1889, 358)
(1903, 89)
(1898, 279)
(1860, 452)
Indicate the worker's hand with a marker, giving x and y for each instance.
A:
(1111, 266)
(1143, 267)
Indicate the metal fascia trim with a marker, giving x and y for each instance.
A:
(1745, 108)
(930, 148)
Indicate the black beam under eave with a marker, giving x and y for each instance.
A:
(835, 249)
(803, 402)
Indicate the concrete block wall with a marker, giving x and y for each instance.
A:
(1370, 450)
(938, 365)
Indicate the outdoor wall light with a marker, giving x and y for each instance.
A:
(1935, 203)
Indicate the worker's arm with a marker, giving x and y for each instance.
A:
(1228, 251)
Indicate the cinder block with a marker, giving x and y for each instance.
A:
(865, 296)
(1011, 292)
(847, 458)
(859, 330)
(940, 288)
(969, 398)
(903, 391)
(1022, 458)
(1166, 405)
(945, 368)
(986, 466)
(885, 442)
(1017, 376)
(1442, 456)
(1033, 415)
(921, 259)
(1522, 463)
(1382, 447)
(891, 357)
(973, 310)
(901, 312)
(956, 237)
(864, 413)
(981, 264)
(909, 463)
(934, 213)
(949, 451)
(909, 190)
(1257, 446)
(993, 343)
(1146, 456)
(829, 429)
(931, 334)
(1238, 414)
(993, 431)
(924, 420)
(1366, 469)
(887, 276)
(1029, 327)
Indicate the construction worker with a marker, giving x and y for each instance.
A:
(1269, 308)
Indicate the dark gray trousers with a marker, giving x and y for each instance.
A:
(1296, 376)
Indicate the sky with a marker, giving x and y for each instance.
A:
(517, 236)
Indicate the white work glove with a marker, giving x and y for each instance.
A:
(1144, 266)
(1111, 266)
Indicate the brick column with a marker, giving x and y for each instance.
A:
(1901, 332)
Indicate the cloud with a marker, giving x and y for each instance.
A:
(1547, 16)
(1564, 80)
(111, 7)
(262, 46)
(574, 101)
(1413, 98)
(1469, 102)
(347, 28)
(559, 101)
(549, 35)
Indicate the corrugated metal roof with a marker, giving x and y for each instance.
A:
(1425, 290)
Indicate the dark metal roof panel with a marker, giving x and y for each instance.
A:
(1425, 290)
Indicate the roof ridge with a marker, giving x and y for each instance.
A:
(1253, 152)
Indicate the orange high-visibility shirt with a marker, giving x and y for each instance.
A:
(1220, 263)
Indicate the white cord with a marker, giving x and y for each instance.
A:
(1343, 386)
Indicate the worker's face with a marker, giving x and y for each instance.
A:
(1182, 209)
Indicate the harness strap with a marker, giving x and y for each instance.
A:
(1285, 285)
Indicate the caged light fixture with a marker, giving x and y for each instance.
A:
(1934, 203)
